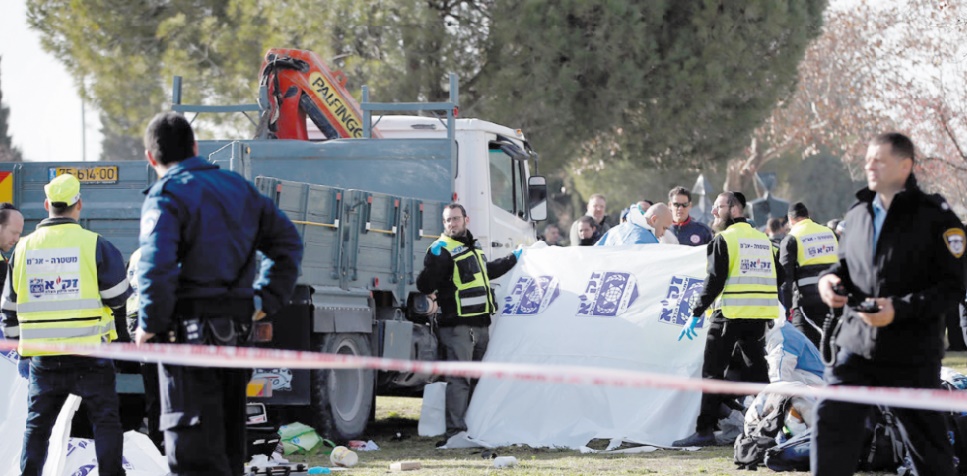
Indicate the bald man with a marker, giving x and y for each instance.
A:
(642, 227)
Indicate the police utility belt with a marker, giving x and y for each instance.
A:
(213, 321)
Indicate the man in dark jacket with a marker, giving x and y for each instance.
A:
(457, 275)
(900, 270)
(201, 228)
(742, 288)
(689, 232)
(807, 251)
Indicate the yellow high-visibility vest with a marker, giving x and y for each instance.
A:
(472, 296)
(55, 278)
(816, 245)
(750, 290)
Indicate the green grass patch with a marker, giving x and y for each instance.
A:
(395, 431)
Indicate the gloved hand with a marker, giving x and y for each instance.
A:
(437, 246)
(519, 251)
(24, 367)
(689, 329)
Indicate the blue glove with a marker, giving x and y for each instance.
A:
(689, 330)
(437, 246)
(519, 251)
(24, 367)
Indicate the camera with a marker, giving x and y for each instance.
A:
(840, 289)
(867, 306)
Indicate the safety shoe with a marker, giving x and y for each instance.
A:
(696, 439)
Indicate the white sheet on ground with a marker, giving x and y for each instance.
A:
(66, 456)
(619, 307)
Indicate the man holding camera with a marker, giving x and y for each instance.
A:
(899, 272)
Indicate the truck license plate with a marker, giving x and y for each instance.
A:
(104, 174)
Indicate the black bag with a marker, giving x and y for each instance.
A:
(888, 446)
(956, 422)
(793, 455)
(750, 447)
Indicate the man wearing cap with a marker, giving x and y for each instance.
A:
(741, 288)
(62, 283)
(201, 282)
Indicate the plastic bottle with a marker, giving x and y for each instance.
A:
(505, 462)
(319, 470)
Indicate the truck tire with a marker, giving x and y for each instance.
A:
(343, 399)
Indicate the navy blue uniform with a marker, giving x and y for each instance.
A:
(916, 261)
(692, 233)
(201, 228)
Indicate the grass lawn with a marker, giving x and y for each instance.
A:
(399, 415)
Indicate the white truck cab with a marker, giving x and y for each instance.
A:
(490, 176)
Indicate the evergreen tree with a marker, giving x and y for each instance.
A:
(666, 84)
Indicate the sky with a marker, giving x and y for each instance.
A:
(45, 108)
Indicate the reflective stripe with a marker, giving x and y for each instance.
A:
(116, 291)
(751, 280)
(51, 306)
(473, 301)
(726, 301)
(63, 333)
(808, 281)
(11, 331)
(8, 305)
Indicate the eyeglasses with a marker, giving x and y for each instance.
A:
(680, 205)
(448, 220)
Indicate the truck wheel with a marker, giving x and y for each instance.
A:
(343, 399)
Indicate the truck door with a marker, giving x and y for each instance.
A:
(509, 225)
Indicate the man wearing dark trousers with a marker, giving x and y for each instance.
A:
(898, 272)
(201, 228)
(808, 250)
(741, 288)
(61, 285)
(457, 275)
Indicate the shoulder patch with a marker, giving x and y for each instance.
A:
(148, 220)
(955, 240)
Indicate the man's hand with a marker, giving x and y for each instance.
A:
(437, 246)
(689, 329)
(826, 285)
(882, 318)
(519, 251)
(141, 336)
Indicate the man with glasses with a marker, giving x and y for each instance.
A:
(689, 232)
(741, 290)
(457, 275)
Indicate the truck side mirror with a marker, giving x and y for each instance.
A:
(537, 197)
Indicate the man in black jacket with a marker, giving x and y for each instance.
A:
(741, 288)
(900, 268)
(805, 253)
(457, 275)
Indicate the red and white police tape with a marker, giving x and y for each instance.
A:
(252, 357)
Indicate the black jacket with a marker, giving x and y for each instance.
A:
(805, 296)
(437, 276)
(917, 264)
(718, 274)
